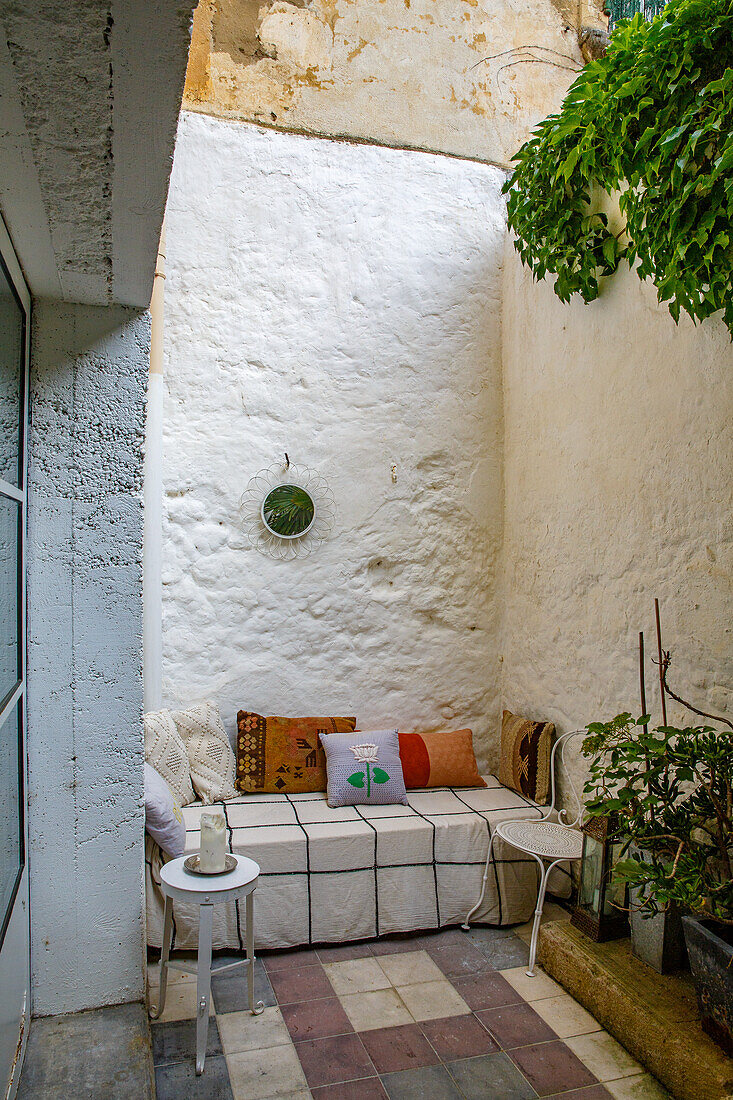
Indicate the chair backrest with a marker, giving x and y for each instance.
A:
(558, 750)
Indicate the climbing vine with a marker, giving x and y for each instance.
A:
(651, 123)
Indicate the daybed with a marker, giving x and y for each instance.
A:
(335, 875)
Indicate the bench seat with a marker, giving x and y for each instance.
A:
(336, 875)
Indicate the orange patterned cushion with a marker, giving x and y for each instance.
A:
(283, 755)
(524, 764)
(439, 760)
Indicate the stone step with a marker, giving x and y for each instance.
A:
(655, 1016)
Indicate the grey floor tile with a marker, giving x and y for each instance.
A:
(491, 1077)
(230, 990)
(176, 1042)
(103, 1054)
(429, 1083)
(502, 947)
(179, 1081)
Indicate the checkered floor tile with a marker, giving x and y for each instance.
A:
(442, 1016)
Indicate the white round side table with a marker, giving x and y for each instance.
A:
(206, 891)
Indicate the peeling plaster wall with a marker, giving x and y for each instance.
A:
(85, 745)
(407, 73)
(618, 459)
(340, 303)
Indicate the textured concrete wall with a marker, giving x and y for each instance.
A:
(90, 93)
(340, 303)
(619, 450)
(85, 744)
(409, 73)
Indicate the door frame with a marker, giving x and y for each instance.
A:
(17, 696)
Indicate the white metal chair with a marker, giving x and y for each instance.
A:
(550, 842)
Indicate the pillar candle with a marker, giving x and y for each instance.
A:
(213, 841)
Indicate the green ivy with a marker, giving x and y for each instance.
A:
(652, 123)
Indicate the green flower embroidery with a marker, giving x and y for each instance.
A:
(367, 754)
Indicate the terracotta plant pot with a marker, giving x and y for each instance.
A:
(711, 962)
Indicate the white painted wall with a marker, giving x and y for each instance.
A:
(340, 303)
(619, 451)
(85, 745)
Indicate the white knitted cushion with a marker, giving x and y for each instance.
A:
(210, 756)
(166, 752)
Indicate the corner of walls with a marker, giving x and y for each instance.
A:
(85, 744)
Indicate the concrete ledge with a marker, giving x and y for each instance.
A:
(654, 1016)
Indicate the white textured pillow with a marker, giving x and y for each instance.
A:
(166, 753)
(210, 756)
(163, 817)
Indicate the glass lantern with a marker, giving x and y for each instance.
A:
(600, 908)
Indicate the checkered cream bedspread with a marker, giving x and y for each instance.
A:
(357, 872)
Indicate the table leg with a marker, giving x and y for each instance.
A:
(255, 1009)
(164, 956)
(203, 983)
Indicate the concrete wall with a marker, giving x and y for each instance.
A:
(452, 77)
(85, 746)
(340, 303)
(618, 459)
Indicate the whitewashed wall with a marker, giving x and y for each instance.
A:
(340, 303)
(619, 451)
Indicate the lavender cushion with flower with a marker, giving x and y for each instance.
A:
(364, 768)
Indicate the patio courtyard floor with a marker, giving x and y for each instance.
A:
(440, 1016)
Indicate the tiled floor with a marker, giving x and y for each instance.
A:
(441, 1016)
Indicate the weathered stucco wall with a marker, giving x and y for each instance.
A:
(407, 73)
(618, 459)
(85, 745)
(340, 303)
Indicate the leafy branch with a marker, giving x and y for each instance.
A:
(651, 124)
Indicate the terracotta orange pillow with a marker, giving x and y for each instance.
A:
(439, 760)
(283, 755)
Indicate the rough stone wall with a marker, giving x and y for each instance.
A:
(85, 745)
(408, 73)
(340, 303)
(618, 458)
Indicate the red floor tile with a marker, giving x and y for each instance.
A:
(594, 1092)
(516, 1026)
(398, 946)
(548, 1065)
(458, 1037)
(342, 952)
(304, 983)
(329, 1061)
(486, 990)
(370, 1088)
(393, 1049)
(289, 960)
(316, 1019)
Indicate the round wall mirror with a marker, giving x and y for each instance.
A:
(288, 511)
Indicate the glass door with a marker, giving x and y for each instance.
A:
(14, 914)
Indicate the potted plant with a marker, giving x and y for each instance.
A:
(672, 792)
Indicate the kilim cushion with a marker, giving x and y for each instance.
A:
(283, 755)
(525, 756)
(439, 760)
(364, 769)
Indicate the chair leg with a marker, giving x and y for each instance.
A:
(466, 925)
(203, 983)
(544, 872)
